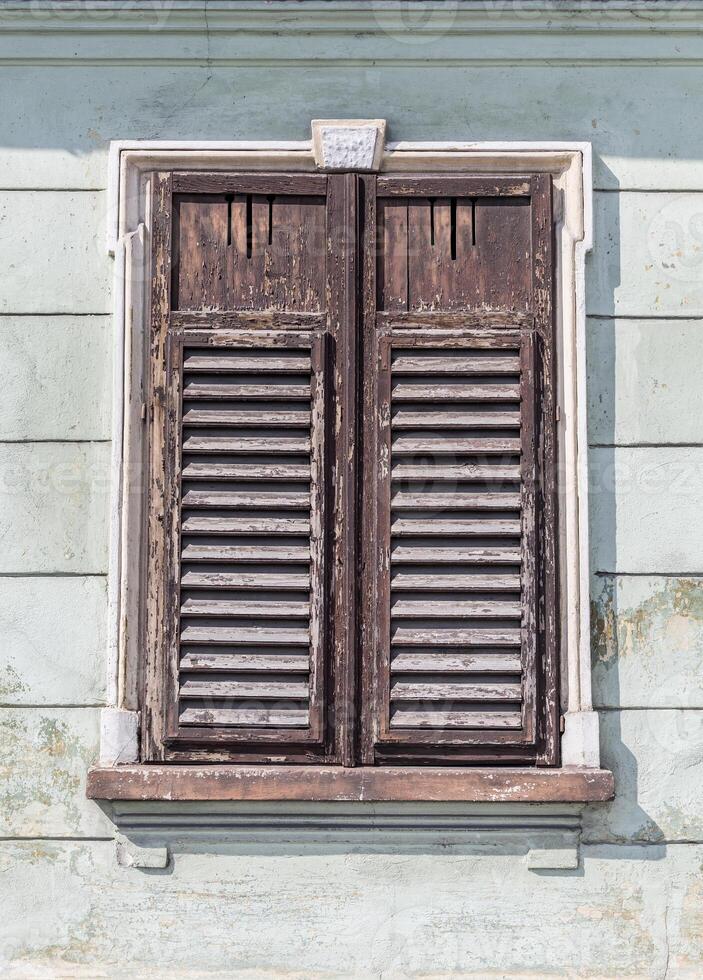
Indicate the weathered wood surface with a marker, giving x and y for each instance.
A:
(342, 783)
(249, 249)
(445, 253)
(204, 182)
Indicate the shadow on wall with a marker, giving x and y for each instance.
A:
(631, 644)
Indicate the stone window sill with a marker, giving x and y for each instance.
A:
(326, 783)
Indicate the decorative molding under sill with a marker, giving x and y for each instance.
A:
(327, 783)
(153, 834)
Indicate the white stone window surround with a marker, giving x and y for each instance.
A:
(130, 164)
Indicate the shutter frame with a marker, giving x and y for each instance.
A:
(385, 321)
(296, 326)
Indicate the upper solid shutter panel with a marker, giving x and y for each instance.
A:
(249, 422)
(249, 251)
(456, 539)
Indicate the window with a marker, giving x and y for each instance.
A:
(352, 528)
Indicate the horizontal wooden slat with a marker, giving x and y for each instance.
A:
(282, 443)
(403, 500)
(402, 717)
(246, 553)
(456, 663)
(245, 362)
(419, 362)
(454, 691)
(230, 324)
(246, 580)
(213, 182)
(403, 526)
(462, 582)
(451, 185)
(476, 328)
(435, 442)
(477, 608)
(203, 524)
(245, 607)
(268, 499)
(455, 471)
(264, 392)
(274, 717)
(264, 635)
(246, 471)
(412, 553)
(407, 391)
(254, 416)
(264, 690)
(246, 662)
(461, 418)
(455, 636)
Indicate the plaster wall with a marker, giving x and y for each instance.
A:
(342, 902)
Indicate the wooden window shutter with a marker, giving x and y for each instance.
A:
(249, 312)
(459, 559)
(351, 548)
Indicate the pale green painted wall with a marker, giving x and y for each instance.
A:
(347, 907)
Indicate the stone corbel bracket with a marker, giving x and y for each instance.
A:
(348, 144)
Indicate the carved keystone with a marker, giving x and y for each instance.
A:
(348, 144)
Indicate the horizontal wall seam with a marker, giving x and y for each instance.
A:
(32, 574)
(68, 442)
(642, 316)
(45, 313)
(52, 190)
(647, 707)
(67, 839)
(651, 574)
(33, 707)
(363, 64)
(645, 445)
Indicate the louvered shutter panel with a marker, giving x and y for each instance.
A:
(251, 562)
(248, 317)
(459, 624)
(456, 539)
